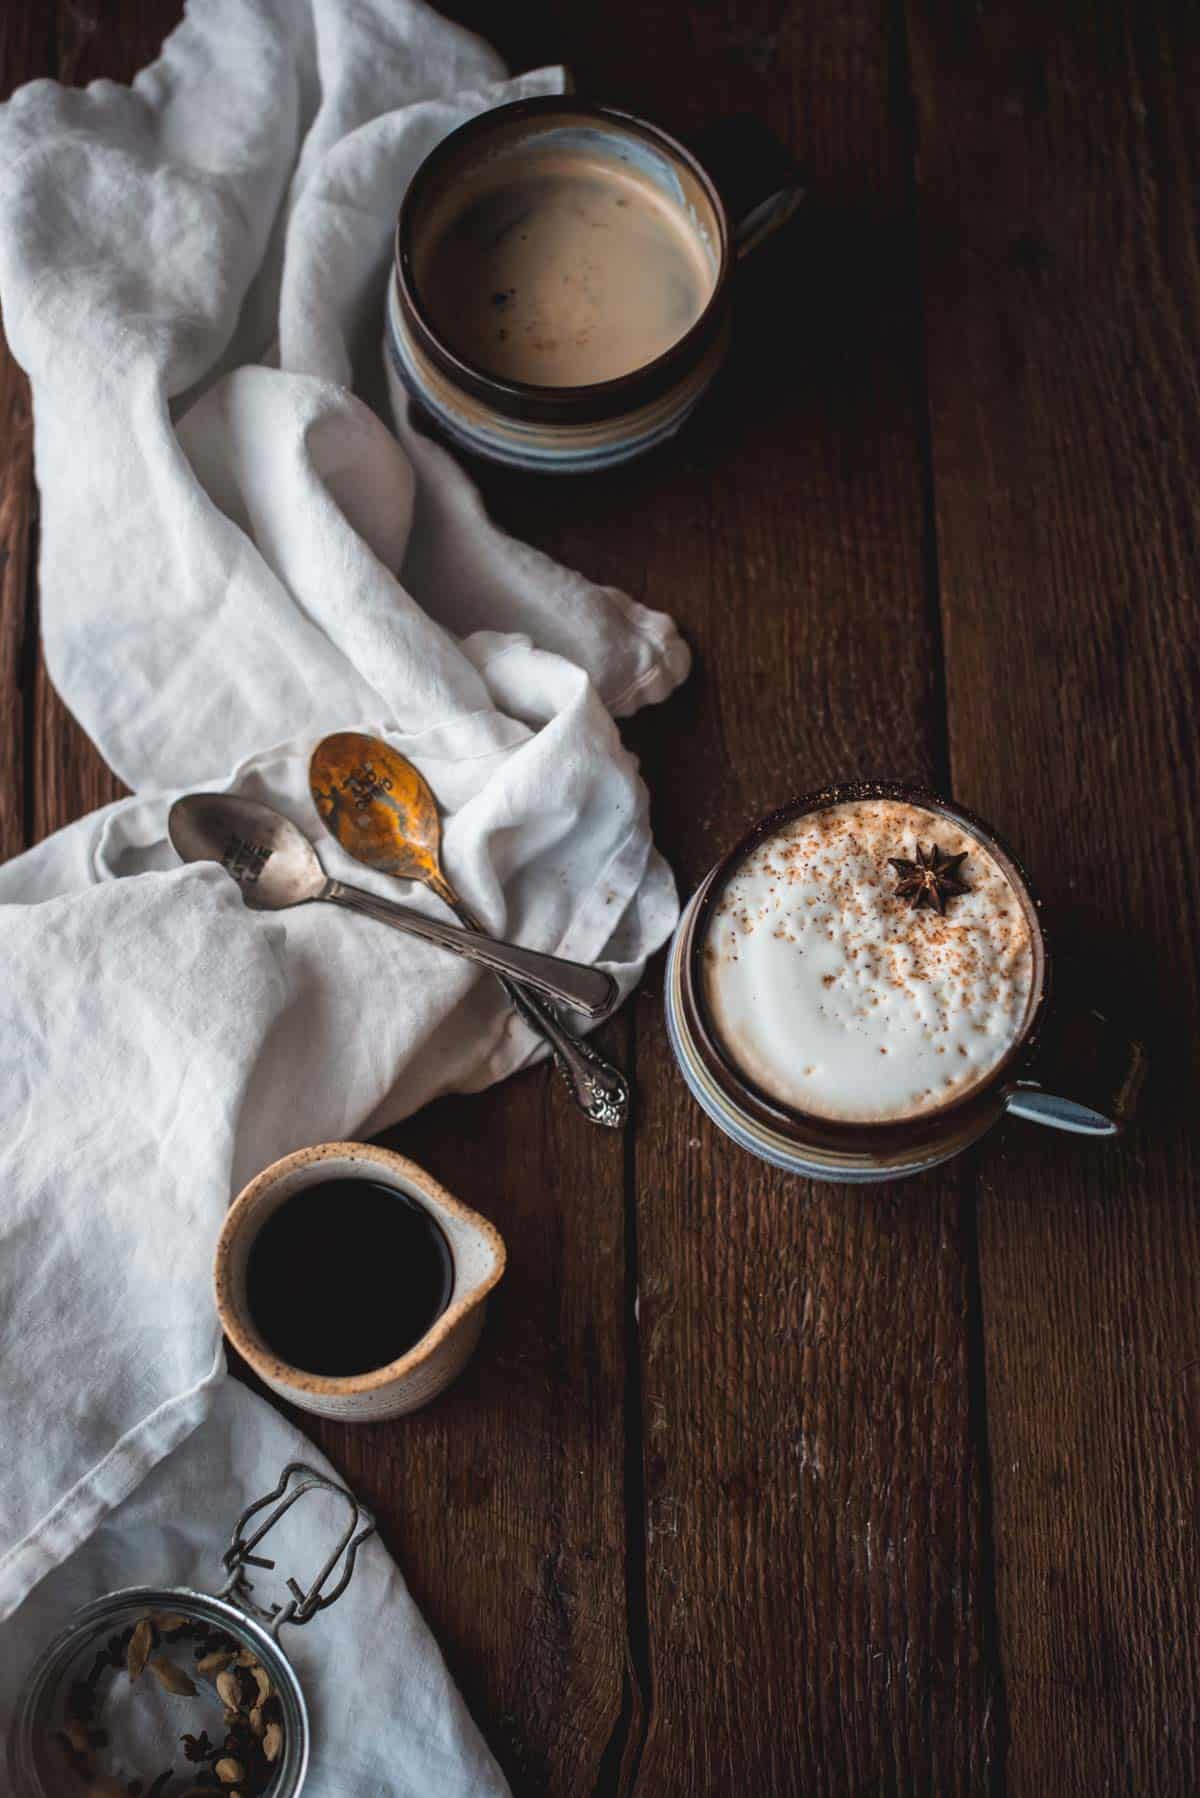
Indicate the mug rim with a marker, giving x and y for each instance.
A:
(874, 1135)
(586, 401)
(235, 1319)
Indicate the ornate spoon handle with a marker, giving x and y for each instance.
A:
(595, 1085)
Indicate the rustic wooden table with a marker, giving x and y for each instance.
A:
(761, 1487)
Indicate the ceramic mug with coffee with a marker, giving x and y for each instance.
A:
(562, 285)
(862, 987)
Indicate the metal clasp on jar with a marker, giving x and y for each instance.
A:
(240, 1554)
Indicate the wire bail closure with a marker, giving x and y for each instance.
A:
(240, 1553)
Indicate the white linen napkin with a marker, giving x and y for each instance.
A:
(385, 1717)
(237, 556)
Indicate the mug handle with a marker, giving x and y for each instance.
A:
(756, 178)
(1087, 1079)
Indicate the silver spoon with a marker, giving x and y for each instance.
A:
(383, 812)
(276, 867)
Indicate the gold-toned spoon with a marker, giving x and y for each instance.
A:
(382, 812)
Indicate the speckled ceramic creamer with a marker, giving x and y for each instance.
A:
(476, 1249)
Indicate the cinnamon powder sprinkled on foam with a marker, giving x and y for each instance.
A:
(836, 996)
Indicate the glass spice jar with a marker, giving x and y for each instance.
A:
(102, 1703)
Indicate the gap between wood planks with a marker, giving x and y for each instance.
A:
(903, 88)
(618, 1769)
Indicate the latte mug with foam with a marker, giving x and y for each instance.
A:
(862, 987)
(561, 293)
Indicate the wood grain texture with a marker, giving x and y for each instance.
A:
(505, 1506)
(757, 1487)
(17, 529)
(1059, 168)
(815, 1603)
(26, 52)
(70, 776)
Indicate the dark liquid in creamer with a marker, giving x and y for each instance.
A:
(560, 270)
(347, 1276)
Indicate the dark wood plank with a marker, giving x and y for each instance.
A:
(815, 1601)
(506, 1501)
(17, 531)
(1060, 157)
(70, 777)
(110, 39)
(25, 52)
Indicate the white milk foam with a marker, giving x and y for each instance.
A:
(838, 998)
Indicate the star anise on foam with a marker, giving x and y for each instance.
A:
(930, 881)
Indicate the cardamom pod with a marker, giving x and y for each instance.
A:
(140, 1644)
(272, 1741)
(172, 1678)
(262, 1680)
(216, 1662)
(229, 1690)
(229, 1771)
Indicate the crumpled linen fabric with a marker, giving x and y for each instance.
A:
(237, 556)
(385, 1719)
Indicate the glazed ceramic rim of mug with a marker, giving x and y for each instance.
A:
(802, 1127)
(526, 399)
(235, 1317)
(859, 1164)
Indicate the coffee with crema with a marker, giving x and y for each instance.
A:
(834, 996)
(559, 269)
